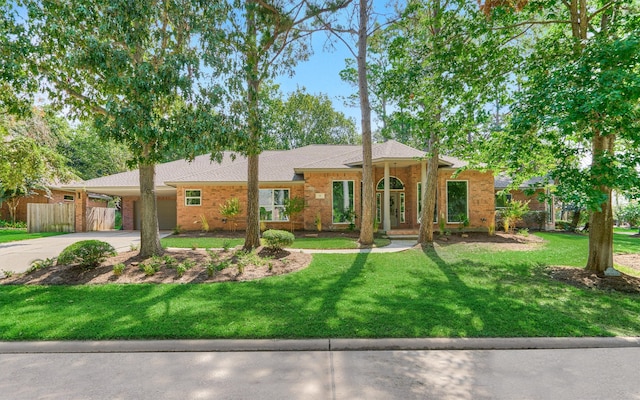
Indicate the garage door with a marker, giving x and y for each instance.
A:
(167, 214)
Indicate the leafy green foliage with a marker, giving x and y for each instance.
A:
(39, 264)
(132, 67)
(629, 213)
(118, 269)
(303, 119)
(86, 253)
(28, 161)
(512, 214)
(293, 206)
(277, 239)
(92, 157)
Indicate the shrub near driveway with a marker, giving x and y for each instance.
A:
(453, 291)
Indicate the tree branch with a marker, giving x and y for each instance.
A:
(531, 23)
(601, 9)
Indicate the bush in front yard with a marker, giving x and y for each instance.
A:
(277, 239)
(86, 253)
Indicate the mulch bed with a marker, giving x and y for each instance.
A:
(271, 264)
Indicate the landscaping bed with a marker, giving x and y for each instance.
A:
(237, 267)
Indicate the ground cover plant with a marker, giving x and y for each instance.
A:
(13, 235)
(455, 289)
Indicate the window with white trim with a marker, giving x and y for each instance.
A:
(68, 197)
(272, 203)
(394, 184)
(342, 202)
(457, 201)
(419, 208)
(192, 197)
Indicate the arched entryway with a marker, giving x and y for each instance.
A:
(397, 202)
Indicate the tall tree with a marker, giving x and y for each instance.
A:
(18, 83)
(439, 76)
(302, 119)
(361, 23)
(91, 156)
(27, 162)
(131, 65)
(579, 99)
(268, 38)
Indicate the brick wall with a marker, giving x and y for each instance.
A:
(189, 218)
(318, 195)
(126, 205)
(481, 198)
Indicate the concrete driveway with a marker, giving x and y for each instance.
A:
(17, 256)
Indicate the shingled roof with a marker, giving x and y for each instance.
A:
(275, 166)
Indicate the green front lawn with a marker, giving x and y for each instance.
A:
(200, 242)
(13, 235)
(455, 291)
(299, 243)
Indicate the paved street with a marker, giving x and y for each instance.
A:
(573, 373)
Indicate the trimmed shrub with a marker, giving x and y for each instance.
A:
(86, 253)
(277, 239)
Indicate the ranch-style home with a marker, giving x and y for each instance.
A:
(328, 177)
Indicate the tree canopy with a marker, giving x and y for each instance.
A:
(578, 99)
(302, 119)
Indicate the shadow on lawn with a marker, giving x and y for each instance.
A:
(360, 295)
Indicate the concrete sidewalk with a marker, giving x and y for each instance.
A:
(567, 374)
(17, 256)
(396, 246)
(240, 345)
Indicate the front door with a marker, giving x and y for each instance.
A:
(394, 208)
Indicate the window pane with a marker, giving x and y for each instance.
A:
(272, 204)
(265, 197)
(456, 201)
(342, 201)
(502, 200)
(394, 184)
(194, 201)
(192, 193)
(279, 196)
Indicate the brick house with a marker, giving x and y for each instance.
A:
(328, 177)
(539, 188)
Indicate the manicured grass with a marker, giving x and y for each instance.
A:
(200, 242)
(299, 243)
(454, 291)
(631, 231)
(14, 235)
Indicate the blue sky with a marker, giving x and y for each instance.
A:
(320, 74)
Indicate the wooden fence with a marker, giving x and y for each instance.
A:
(101, 219)
(50, 217)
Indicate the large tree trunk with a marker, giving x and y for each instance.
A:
(601, 238)
(252, 234)
(429, 198)
(601, 222)
(149, 231)
(368, 203)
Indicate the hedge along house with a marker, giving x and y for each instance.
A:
(327, 177)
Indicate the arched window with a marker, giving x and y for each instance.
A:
(394, 184)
